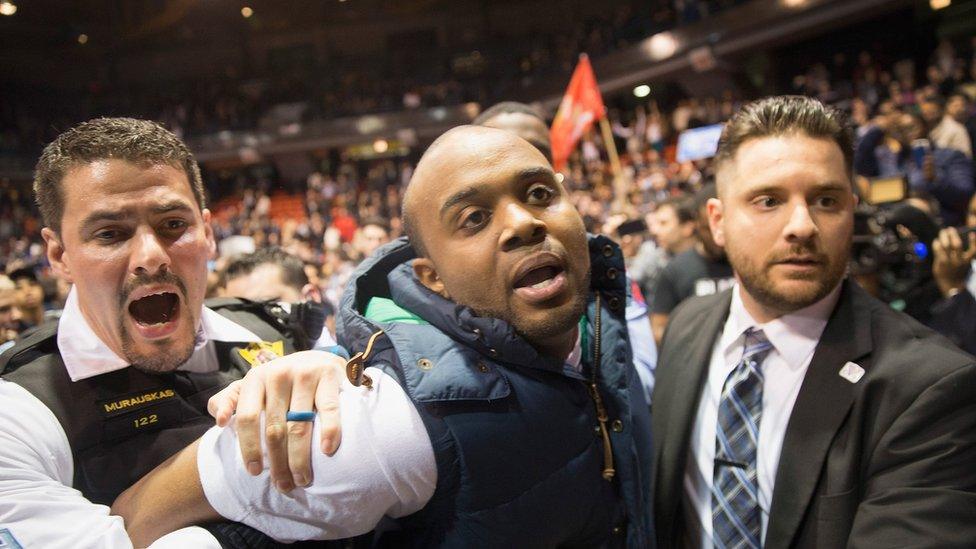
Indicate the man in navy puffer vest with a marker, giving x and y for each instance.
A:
(502, 326)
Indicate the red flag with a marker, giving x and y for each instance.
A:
(581, 106)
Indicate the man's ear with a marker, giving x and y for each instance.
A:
(56, 254)
(312, 293)
(423, 269)
(716, 212)
(209, 234)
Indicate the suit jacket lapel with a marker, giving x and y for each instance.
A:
(689, 364)
(821, 406)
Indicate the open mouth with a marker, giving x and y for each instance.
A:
(155, 309)
(540, 279)
(156, 315)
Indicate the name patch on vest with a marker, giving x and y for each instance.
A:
(130, 403)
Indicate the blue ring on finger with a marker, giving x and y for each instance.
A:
(300, 416)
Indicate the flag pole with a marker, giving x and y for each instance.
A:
(619, 185)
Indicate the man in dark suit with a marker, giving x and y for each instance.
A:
(794, 410)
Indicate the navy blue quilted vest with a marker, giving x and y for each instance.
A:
(515, 434)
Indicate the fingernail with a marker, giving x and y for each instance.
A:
(283, 486)
(254, 467)
(299, 479)
(329, 447)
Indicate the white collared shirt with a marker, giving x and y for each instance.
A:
(85, 355)
(38, 506)
(794, 337)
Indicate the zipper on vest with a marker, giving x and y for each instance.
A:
(355, 367)
(601, 410)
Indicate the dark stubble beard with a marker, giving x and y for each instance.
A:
(559, 321)
(167, 357)
(759, 285)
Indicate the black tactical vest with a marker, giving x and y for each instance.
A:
(122, 424)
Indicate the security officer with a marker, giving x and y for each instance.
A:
(121, 382)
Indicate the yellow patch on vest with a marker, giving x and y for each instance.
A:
(259, 353)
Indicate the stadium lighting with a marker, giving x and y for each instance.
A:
(662, 45)
(939, 4)
(82, 39)
(246, 11)
(381, 146)
(642, 91)
(8, 8)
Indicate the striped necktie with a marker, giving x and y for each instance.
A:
(736, 519)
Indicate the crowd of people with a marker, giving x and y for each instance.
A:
(499, 66)
(709, 352)
(351, 206)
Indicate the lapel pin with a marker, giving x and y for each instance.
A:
(852, 372)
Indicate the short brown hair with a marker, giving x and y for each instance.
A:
(783, 115)
(138, 141)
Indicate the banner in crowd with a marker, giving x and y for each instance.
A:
(580, 108)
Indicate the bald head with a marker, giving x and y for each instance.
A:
(522, 120)
(457, 156)
(496, 231)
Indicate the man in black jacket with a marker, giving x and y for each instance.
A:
(795, 410)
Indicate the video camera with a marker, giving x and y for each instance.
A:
(892, 240)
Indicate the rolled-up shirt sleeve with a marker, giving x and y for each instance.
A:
(384, 467)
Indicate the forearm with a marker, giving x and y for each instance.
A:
(168, 498)
(385, 466)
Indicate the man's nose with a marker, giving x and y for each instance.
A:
(522, 226)
(800, 225)
(149, 255)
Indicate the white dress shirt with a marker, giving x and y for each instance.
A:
(38, 506)
(794, 338)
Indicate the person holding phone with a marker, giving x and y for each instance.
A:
(953, 267)
(896, 146)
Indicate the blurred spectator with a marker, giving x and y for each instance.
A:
(520, 119)
(672, 227)
(944, 130)
(371, 234)
(887, 151)
(11, 323)
(954, 267)
(271, 274)
(959, 107)
(700, 270)
(30, 296)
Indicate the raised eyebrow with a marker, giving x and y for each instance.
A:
(835, 186)
(171, 207)
(459, 197)
(820, 187)
(530, 174)
(97, 217)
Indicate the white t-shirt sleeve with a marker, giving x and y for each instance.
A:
(384, 466)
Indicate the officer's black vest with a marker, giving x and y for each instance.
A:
(122, 424)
